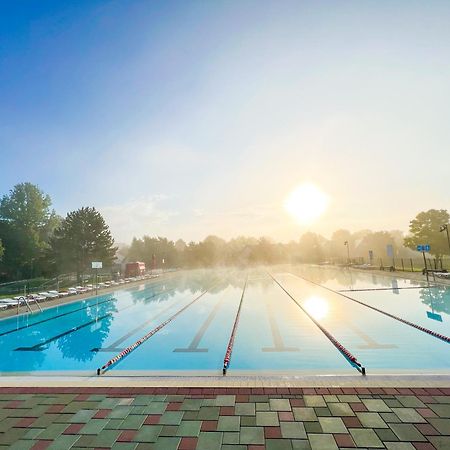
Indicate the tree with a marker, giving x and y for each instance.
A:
(2, 250)
(424, 229)
(82, 237)
(26, 224)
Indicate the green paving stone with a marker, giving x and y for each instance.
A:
(293, 430)
(332, 425)
(267, 419)
(442, 399)
(376, 405)
(251, 435)
(248, 421)
(442, 425)
(133, 422)
(171, 418)
(278, 444)
(304, 414)
(313, 427)
(440, 442)
(441, 410)
(83, 416)
(408, 415)
(314, 400)
(399, 446)
(277, 404)
(371, 420)
(8, 423)
(345, 398)
(63, 418)
(175, 398)
(148, 433)
(225, 400)
(259, 399)
(340, 409)
(390, 417)
(120, 412)
(191, 404)
(167, 443)
(233, 447)
(155, 408)
(365, 438)
(143, 400)
(244, 409)
(105, 438)
(190, 415)
(329, 398)
(85, 441)
(262, 406)
(410, 401)
(108, 403)
(169, 430)
(189, 428)
(12, 435)
(208, 413)
(63, 442)
(322, 412)
(48, 419)
(113, 424)
(94, 426)
(386, 434)
(322, 442)
(209, 402)
(21, 445)
(53, 431)
(406, 432)
(229, 423)
(392, 403)
(31, 433)
(230, 438)
(209, 441)
(124, 446)
(300, 444)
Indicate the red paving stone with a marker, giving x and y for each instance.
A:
(173, 406)
(41, 445)
(226, 411)
(102, 413)
(344, 440)
(285, 416)
(126, 436)
(25, 422)
(74, 428)
(188, 443)
(272, 432)
(152, 419)
(209, 425)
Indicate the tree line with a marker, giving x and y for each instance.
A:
(35, 241)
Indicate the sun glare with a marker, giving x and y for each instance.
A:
(317, 307)
(306, 203)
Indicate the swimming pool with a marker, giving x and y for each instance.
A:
(298, 319)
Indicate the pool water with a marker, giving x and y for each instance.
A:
(276, 332)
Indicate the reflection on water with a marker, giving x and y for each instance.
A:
(437, 298)
(317, 307)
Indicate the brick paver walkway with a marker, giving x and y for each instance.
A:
(224, 418)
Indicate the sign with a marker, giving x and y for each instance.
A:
(97, 264)
(423, 248)
(390, 250)
(434, 316)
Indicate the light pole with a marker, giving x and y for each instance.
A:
(348, 252)
(445, 228)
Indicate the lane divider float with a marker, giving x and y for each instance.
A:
(140, 341)
(440, 336)
(226, 360)
(346, 353)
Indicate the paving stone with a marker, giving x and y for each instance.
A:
(133, 422)
(263, 406)
(399, 446)
(408, 415)
(298, 444)
(233, 447)
(410, 401)
(169, 430)
(314, 400)
(53, 431)
(167, 443)
(441, 410)
(348, 398)
(225, 400)
(440, 442)
(371, 420)
(332, 425)
(104, 438)
(407, 432)
(304, 414)
(442, 425)
(209, 441)
(63, 442)
(248, 421)
(267, 419)
(171, 418)
(229, 423)
(251, 435)
(293, 430)
(189, 428)
(245, 409)
(312, 427)
(208, 413)
(148, 433)
(376, 405)
(322, 442)
(230, 438)
(365, 438)
(191, 404)
(94, 426)
(340, 409)
(386, 434)
(277, 404)
(278, 444)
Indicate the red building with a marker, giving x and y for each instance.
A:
(134, 269)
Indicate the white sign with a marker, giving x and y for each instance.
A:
(97, 264)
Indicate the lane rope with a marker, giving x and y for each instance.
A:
(440, 336)
(226, 360)
(140, 341)
(346, 353)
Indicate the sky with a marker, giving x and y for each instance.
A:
(190, 118)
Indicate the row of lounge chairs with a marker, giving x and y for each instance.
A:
(20, 300)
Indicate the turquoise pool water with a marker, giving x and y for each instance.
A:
(273, 333)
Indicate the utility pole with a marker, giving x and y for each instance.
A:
(445, 228)
(348, 252)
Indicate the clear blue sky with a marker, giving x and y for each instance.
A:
(193, 118)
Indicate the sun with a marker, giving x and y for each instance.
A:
(306, 203)
(317, 307)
